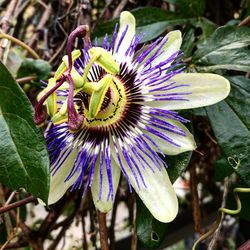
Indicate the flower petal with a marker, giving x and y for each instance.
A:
(125, 36)
(105, 203)
(159, 196)
(170, 48)
(202, 89)
(162, 54)
(185, 143)
(58, 185)
(151, 183)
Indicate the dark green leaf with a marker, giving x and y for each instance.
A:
(239, 98)
(227, 48)
(24, 159)
(189, 8)
(233, 137)
(30, 66)
(150, 232)
(222, 169)
(207, 27)
(177, 164)
(188, 42)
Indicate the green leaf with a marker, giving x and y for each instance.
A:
(227, 48)
(177, 164)
(150, 231)
(239, 98)
(40, 68)
(233, 137)
(222, 169)
(24, 158)
(189, 8)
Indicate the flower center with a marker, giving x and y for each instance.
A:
(112, 107)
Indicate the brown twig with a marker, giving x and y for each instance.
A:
(84, 239)
(216, 235)
(245, 246)
(27, 232)
(84, 14)
(108, 3)
(93, 219)
(55, 55)
(17, 204)
(120, 8)
(245, 22)
(133, 231)
(103, 230)
(112, 225)
(65, 225)
(25, 79)
(7, 220)
(195, 199)
(6, 21)
(10, 238)
(43, 21)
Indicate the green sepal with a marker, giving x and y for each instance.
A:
(104, 59)
(98, 95)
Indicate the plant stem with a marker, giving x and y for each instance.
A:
(7, 220)
(103, 230)
(6, 21)
(196, 212)
(17, 204)
(20, 43)
(25, 79)
(212, 244)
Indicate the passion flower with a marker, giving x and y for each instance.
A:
(112, 112)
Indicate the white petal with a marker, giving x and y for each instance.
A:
(172, 46)
(186, 143)
(126, 19)
(206, 89)
(103, 204)
(58, 185)
(158, 195)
